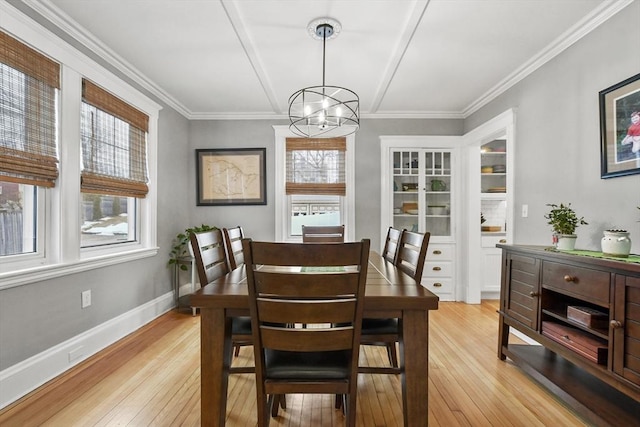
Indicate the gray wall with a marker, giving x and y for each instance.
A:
(259, 221)
(558, 135)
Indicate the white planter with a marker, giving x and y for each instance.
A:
(566, 242)
(616, 243)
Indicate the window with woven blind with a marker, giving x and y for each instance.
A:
(114, 144)
(315, 166)
(29, 82)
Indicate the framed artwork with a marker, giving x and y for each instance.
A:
(620, 128)
(231, 176)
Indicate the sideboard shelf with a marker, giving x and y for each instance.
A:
(594, 370)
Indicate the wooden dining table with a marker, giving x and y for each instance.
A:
(389, 293)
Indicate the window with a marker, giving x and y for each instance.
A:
(29, 83)
(99, 207)
(18, 219)
(114, 170)
(314, 183)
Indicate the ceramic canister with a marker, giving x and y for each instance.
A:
(616, 243)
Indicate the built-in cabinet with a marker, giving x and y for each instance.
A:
(420, 194)
(489, 203)
(584, 312)
(495, 224)
(447, 185)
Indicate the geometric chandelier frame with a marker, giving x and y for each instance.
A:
(324, 111)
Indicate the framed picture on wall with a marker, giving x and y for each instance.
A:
(231, 176)
(620, 128)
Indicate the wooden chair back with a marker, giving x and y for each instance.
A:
(322, 233)
(412, 251)
(233, 242)
(322, 286)
(210, 255)
(390, 250)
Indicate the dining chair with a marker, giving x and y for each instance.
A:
(323, 286)
(235, 257)
(412, 251)
(410, 255)
(322, 233)
(233, 242)
(391, 244)
(211, 263)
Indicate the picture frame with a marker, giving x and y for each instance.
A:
(231, 176)
(620, 128)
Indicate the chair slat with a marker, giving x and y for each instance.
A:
(323, 233)
(308, 339)
(307, 285)
(307, 311)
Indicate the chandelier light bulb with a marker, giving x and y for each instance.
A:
(325, 103)
(307, 110)
(338, 111)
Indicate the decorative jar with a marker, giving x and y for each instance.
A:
(616, 243)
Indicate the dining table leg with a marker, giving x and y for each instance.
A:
(414, 355)
(215, 359)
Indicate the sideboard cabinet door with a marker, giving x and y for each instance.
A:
(625, 326)
(522, 290)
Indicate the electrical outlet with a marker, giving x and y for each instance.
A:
(525, 211)
(86, 298)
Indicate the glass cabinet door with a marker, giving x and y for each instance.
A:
(437, 194)
(422, 191)
(406, 176)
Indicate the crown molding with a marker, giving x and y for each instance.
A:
(66, 24)
(589, 23)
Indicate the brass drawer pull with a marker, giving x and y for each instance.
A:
(615, 324)
(534, 294)
(437, 252)
(568, 278)
(437, 285)
(503, 241)
(437, 268)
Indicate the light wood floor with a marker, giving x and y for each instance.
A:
(152, 378)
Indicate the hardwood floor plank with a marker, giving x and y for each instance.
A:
(152, 378)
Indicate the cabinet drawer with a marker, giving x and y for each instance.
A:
(582, 343)
(592, 285)
(439, 253)
(438, 269)
(438, 286)
(492, 241)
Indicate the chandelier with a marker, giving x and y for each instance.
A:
(324, 111)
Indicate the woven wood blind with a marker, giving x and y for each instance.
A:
(28, 84)
(316, 166)
(100, 98)
(114, 145)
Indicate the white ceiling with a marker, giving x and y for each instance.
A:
(404, 58)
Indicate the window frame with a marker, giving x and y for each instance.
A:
(62, 254)
(282, 200)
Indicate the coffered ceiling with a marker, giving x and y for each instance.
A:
(214, 59)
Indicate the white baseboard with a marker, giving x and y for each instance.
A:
(24, 377)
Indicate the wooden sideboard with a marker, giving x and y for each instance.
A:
(591, 362)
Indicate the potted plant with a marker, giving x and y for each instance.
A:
(181, 247)
(564, 221)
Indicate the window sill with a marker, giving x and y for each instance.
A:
(38, 274)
